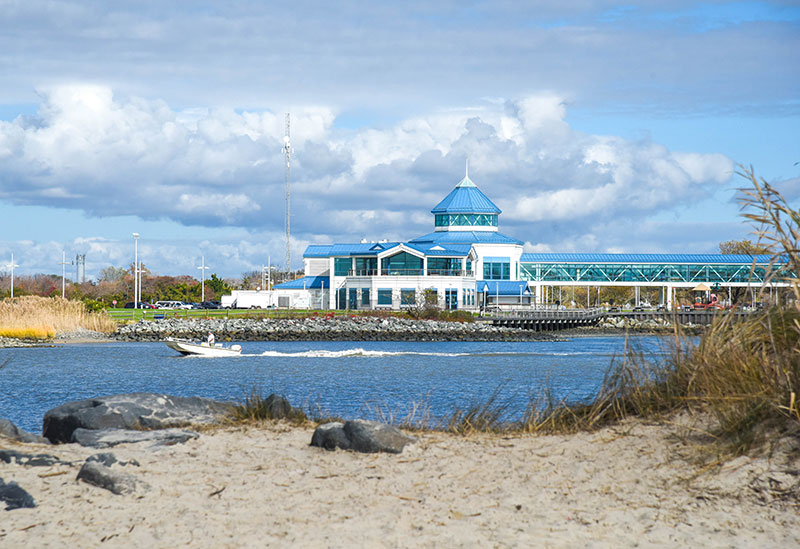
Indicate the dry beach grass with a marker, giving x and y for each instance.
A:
(34, 317)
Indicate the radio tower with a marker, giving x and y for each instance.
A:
(287, 150)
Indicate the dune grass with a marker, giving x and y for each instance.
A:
(34, 317)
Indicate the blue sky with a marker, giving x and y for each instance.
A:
(595, 126)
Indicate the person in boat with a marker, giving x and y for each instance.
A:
(210, 339)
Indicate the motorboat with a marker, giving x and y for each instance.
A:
(193, 348)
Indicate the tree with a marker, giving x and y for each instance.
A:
(218, 285)
(111, 274)
(744, 247)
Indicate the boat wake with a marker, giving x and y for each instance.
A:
(359, 352)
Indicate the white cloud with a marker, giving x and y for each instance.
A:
(90, 150)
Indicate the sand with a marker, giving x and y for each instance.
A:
(264, 486)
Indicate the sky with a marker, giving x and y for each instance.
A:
(595, 126)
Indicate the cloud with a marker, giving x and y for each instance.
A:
(109, 156)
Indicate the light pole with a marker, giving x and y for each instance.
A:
(135, 270)
(63, 272)
(203, 268)
(11, 266)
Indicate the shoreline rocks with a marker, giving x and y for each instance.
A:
(324, 329)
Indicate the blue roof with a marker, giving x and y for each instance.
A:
(645, 258)
(449, 250)
(331, 250)
(465, 237)
(305, 282)
(502, 287)
(464, 199)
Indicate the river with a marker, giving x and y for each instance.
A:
(373, 380)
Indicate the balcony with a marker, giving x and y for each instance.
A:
(410, 272)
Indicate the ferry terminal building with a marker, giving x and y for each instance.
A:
(467, 263)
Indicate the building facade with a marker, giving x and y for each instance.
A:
(467, 263)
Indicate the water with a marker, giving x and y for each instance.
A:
(346, 379)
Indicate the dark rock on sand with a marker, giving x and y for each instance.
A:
(108, 459)
(361, 436)
(130, 411)
(330, 436)
(30, 460)
(104, 438)
(103, 476)
(14, 496)
(9, 430)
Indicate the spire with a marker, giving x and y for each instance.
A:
(466, 182)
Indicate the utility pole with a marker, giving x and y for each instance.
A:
(203, 268)
(287, 151)
(135, 270)
(63, 271)
(11, 266)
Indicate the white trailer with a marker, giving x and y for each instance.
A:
(249, 299)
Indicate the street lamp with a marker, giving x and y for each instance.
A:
(202, 269)
(135, 270)
(11, 266)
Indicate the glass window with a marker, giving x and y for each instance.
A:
(444, 266)
(342, 266)
(497, 271)
(365, 297)
(352, 302)
(384, 296)
(402, 264)
(451, 299)
(408, 296)
(341, 299)
(366, 266)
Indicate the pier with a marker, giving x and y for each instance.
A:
(553, 319)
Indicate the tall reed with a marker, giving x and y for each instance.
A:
(34, 317)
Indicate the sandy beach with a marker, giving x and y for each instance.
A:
(264, 486)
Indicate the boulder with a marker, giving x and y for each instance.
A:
(361, 436)
(330, 436)
(9, 430)
(105, 438)
(95, 473)
(130, 411)
(14, 496)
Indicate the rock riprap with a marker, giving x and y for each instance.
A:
(323, 329)
(137, 411)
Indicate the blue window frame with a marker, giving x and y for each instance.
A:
(365, 297)
(408, 296)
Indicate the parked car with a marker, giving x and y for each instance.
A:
(210, 305)
(142, 305)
